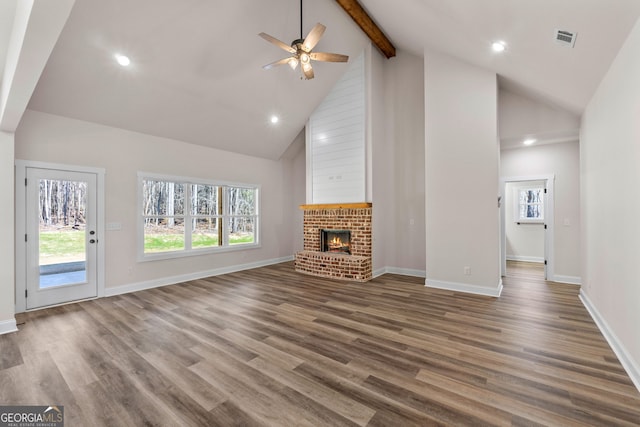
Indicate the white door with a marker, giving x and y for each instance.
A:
(61, 236)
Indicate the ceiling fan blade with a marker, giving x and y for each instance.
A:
(307, 70)
(328, 57)
(276, 63)
(280, 44)
(313, 37)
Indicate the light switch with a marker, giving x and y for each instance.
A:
(114, 226)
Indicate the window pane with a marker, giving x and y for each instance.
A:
(533, 211)
(241, 230)
(242, 201)
(62, 239)
(523, 211)
(205, 233)
(533, 196)
(530, 203)
(204, 200)
(163, 234)
(162, 198)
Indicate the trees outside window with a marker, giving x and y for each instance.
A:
(530, 206)
(181, 217)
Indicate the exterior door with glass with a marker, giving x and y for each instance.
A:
(61, 236)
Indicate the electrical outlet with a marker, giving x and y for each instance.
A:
(467, 271)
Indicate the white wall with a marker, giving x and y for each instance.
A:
(520, 115)
(336, 141)
(295, 176)
(462, 186)
(610, 206)
(563, 161)
(404, 162)
(7, 276)
(379, 148)
(49, 138)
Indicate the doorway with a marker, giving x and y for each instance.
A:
(59, 214)
(532, 206)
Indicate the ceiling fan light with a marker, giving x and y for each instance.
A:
(306, 66)
(293, 63)
(304, 58)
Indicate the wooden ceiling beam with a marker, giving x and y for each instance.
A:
(364, 21)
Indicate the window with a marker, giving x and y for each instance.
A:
(530, 205)
(180, 217)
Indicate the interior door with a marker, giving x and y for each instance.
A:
(61, 238)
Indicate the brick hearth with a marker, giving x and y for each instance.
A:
(356, 266)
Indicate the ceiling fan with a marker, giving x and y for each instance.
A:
(301, 50)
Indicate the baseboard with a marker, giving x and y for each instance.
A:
(401, 271)
(463, 287)
(616, 345)
(165, 281)
(8, 326)
(572, 280)
(539, 260)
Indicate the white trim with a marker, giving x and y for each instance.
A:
(401, 271)
(629, 365)
(523, 258)
(165, 281)
(21, 224)
(8, 326)
(463, 287)
(379, 272)
(571, 280)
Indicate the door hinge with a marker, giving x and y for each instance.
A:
(25, 293)
(545, 226)
(545, 262)
(25, 237)
(545, 191)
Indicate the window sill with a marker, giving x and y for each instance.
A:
(196, 252)
(529, 221)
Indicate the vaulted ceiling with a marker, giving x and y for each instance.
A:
(196, 71)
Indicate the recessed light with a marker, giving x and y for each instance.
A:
(498, 46)
(275, 119)
(122, 60)
(529, 141)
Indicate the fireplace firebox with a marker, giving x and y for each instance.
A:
(335, 241)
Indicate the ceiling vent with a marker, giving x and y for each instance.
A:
(565, 38)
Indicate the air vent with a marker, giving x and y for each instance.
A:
(565, 38)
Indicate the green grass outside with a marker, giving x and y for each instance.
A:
(55, 244)
(175, 242)
(61, 244)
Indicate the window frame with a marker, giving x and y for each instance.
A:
(516, 205)
(188, 216)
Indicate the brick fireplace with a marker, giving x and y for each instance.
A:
(356, 265)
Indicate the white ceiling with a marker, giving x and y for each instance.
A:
(533, 64)
(196, 71)
(7, 12)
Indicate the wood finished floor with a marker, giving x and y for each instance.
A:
(272, 347)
